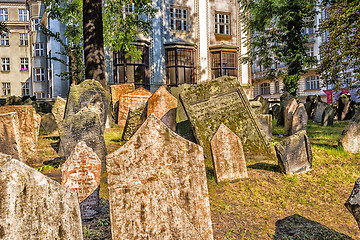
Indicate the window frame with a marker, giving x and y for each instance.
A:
(176, 17)
(5, 64)
(24, 64)
(265, 88)
(226, 23)
(23, 15)
(24, 39)
(38, 49)
(221, 68)
(312, 83)
(6, 88)
(40, 74)
(35, 24)
(4, 14)
(25, 89)
(5, 39)
(277, 87)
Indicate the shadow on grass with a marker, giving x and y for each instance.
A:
(55, 138)
(55, 146)
(210, 173)
(265, 166)
(296, 227)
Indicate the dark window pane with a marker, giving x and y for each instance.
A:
(181, 75)
(130, 74)
(121, 74)
(139, 74)
(172, 75)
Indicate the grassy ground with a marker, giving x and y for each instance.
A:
(310, 205)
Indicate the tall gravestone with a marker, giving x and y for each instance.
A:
(353, 203)
(344, 106)
(34, 206)
(299, 119)
(58, 109)
(116, 92)
(136, 117)
(10, 138)
(284, 100)
(262, 105)
(318, 111)
(350, 137)
(228, 155)
(222, 100)
(81, 173)
(288, 117)
(328, 116)
(131, 99)
(48, 123)
(265, 121)
(157, 187)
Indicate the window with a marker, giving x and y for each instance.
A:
(178, 19)
(132, 71)
(180, 66)
(277, 87)
(3, 14)
(348, 79)
(38, 50)
(5, 64)
(265, 88)
(39, 75)
(25, 89)
(36, 24)
(6, 89)
(312, 83)
(310, 51)
(39, 94)
(24, 64)
(222, 23)
(24, 39)
(23, 15)
(223, 64)
(5, 39)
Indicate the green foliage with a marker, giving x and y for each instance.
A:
(339, 51)
(276, 28)
(3, 28)
(45, 168)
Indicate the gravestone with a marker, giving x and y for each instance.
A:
(48, 123)
(353, 203)
(10, 138)
(256, 106)
(228, 155)
(309, 109)
(36, 207)
(284, 100)
(275, 109)
(265, 121)
(344, 106)
(13, 100)
(116, 92)
(299, 119)
(222, 100)
(288, 117)
(328, 116)
(81, 173)
(131, 99)
(29, 128)
(162, 103)
(157, 187)
(58, 109)
(45, 107)
(264, 109)
(294, 153)
(350, 137)
(136, 117)
(318, 112)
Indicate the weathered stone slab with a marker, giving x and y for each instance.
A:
(36, 207)
(309, 109)
(37, 123)
(328, 116)
(29, 128)
(45, 107)
(157, 187)
(10, 141)
(131, 99)
(222, 100)
(353, 203)
(116, 92)
(318, 112)
(299, 119)
(13, 100)
(48, 123)
(350, 137)
(294, 153)
(344, 102)
(4, 158)
(284, 100)
(58, 109)
(81, 173)
(275, 109)
(288, 117)
(180, 112)
(256, 106)
(264, 105)
(228, 155)
(161, 103)
(265, 121)
(136, 117)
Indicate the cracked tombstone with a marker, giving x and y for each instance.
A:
(157, 187)
(35, 207)
(353, 203)
(81, 173)
(228, 155)
(288, 117)
(299, 119)
(10, 137)
(294, 153)
(116, 92)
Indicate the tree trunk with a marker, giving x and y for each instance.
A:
(94, 55)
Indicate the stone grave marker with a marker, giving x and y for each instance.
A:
(81, 173)
(256, 106)
(264, 104)
(284, 100)
(10, 137)
(294, 153)
(58, 109)
(328, 116)
(344, 102)
(48, 123)
(130, 99)
(353, 203)
(265, 121)
(116, 92)
(35, 207)
(275, 109)
(222, 100)
(299, 119)
(162, 103)
(309, 109)
(228, 155)
(288, 117)
(136, 117)
(318, 111)
(157, 187)
(350, 137)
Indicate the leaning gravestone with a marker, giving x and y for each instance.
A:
(81, 173)
(10, 138)
(288, 117)
(284, 100)
(344, 106)
(131, 99)
(58, 109)
(328, 116)
(162, 103)
(265, 121)
(48, 123)
(350, 137)
(353, 203)
(223, 100)
(116, 92)
(136, 117)
(228, 155)
(157, 187)
(299, 119)
(294, 153)
(318, 112)
(34, 206)
(29, 128)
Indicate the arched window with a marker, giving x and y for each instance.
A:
(277, 87)
(265, 88)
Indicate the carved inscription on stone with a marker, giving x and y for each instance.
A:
(10, 141)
